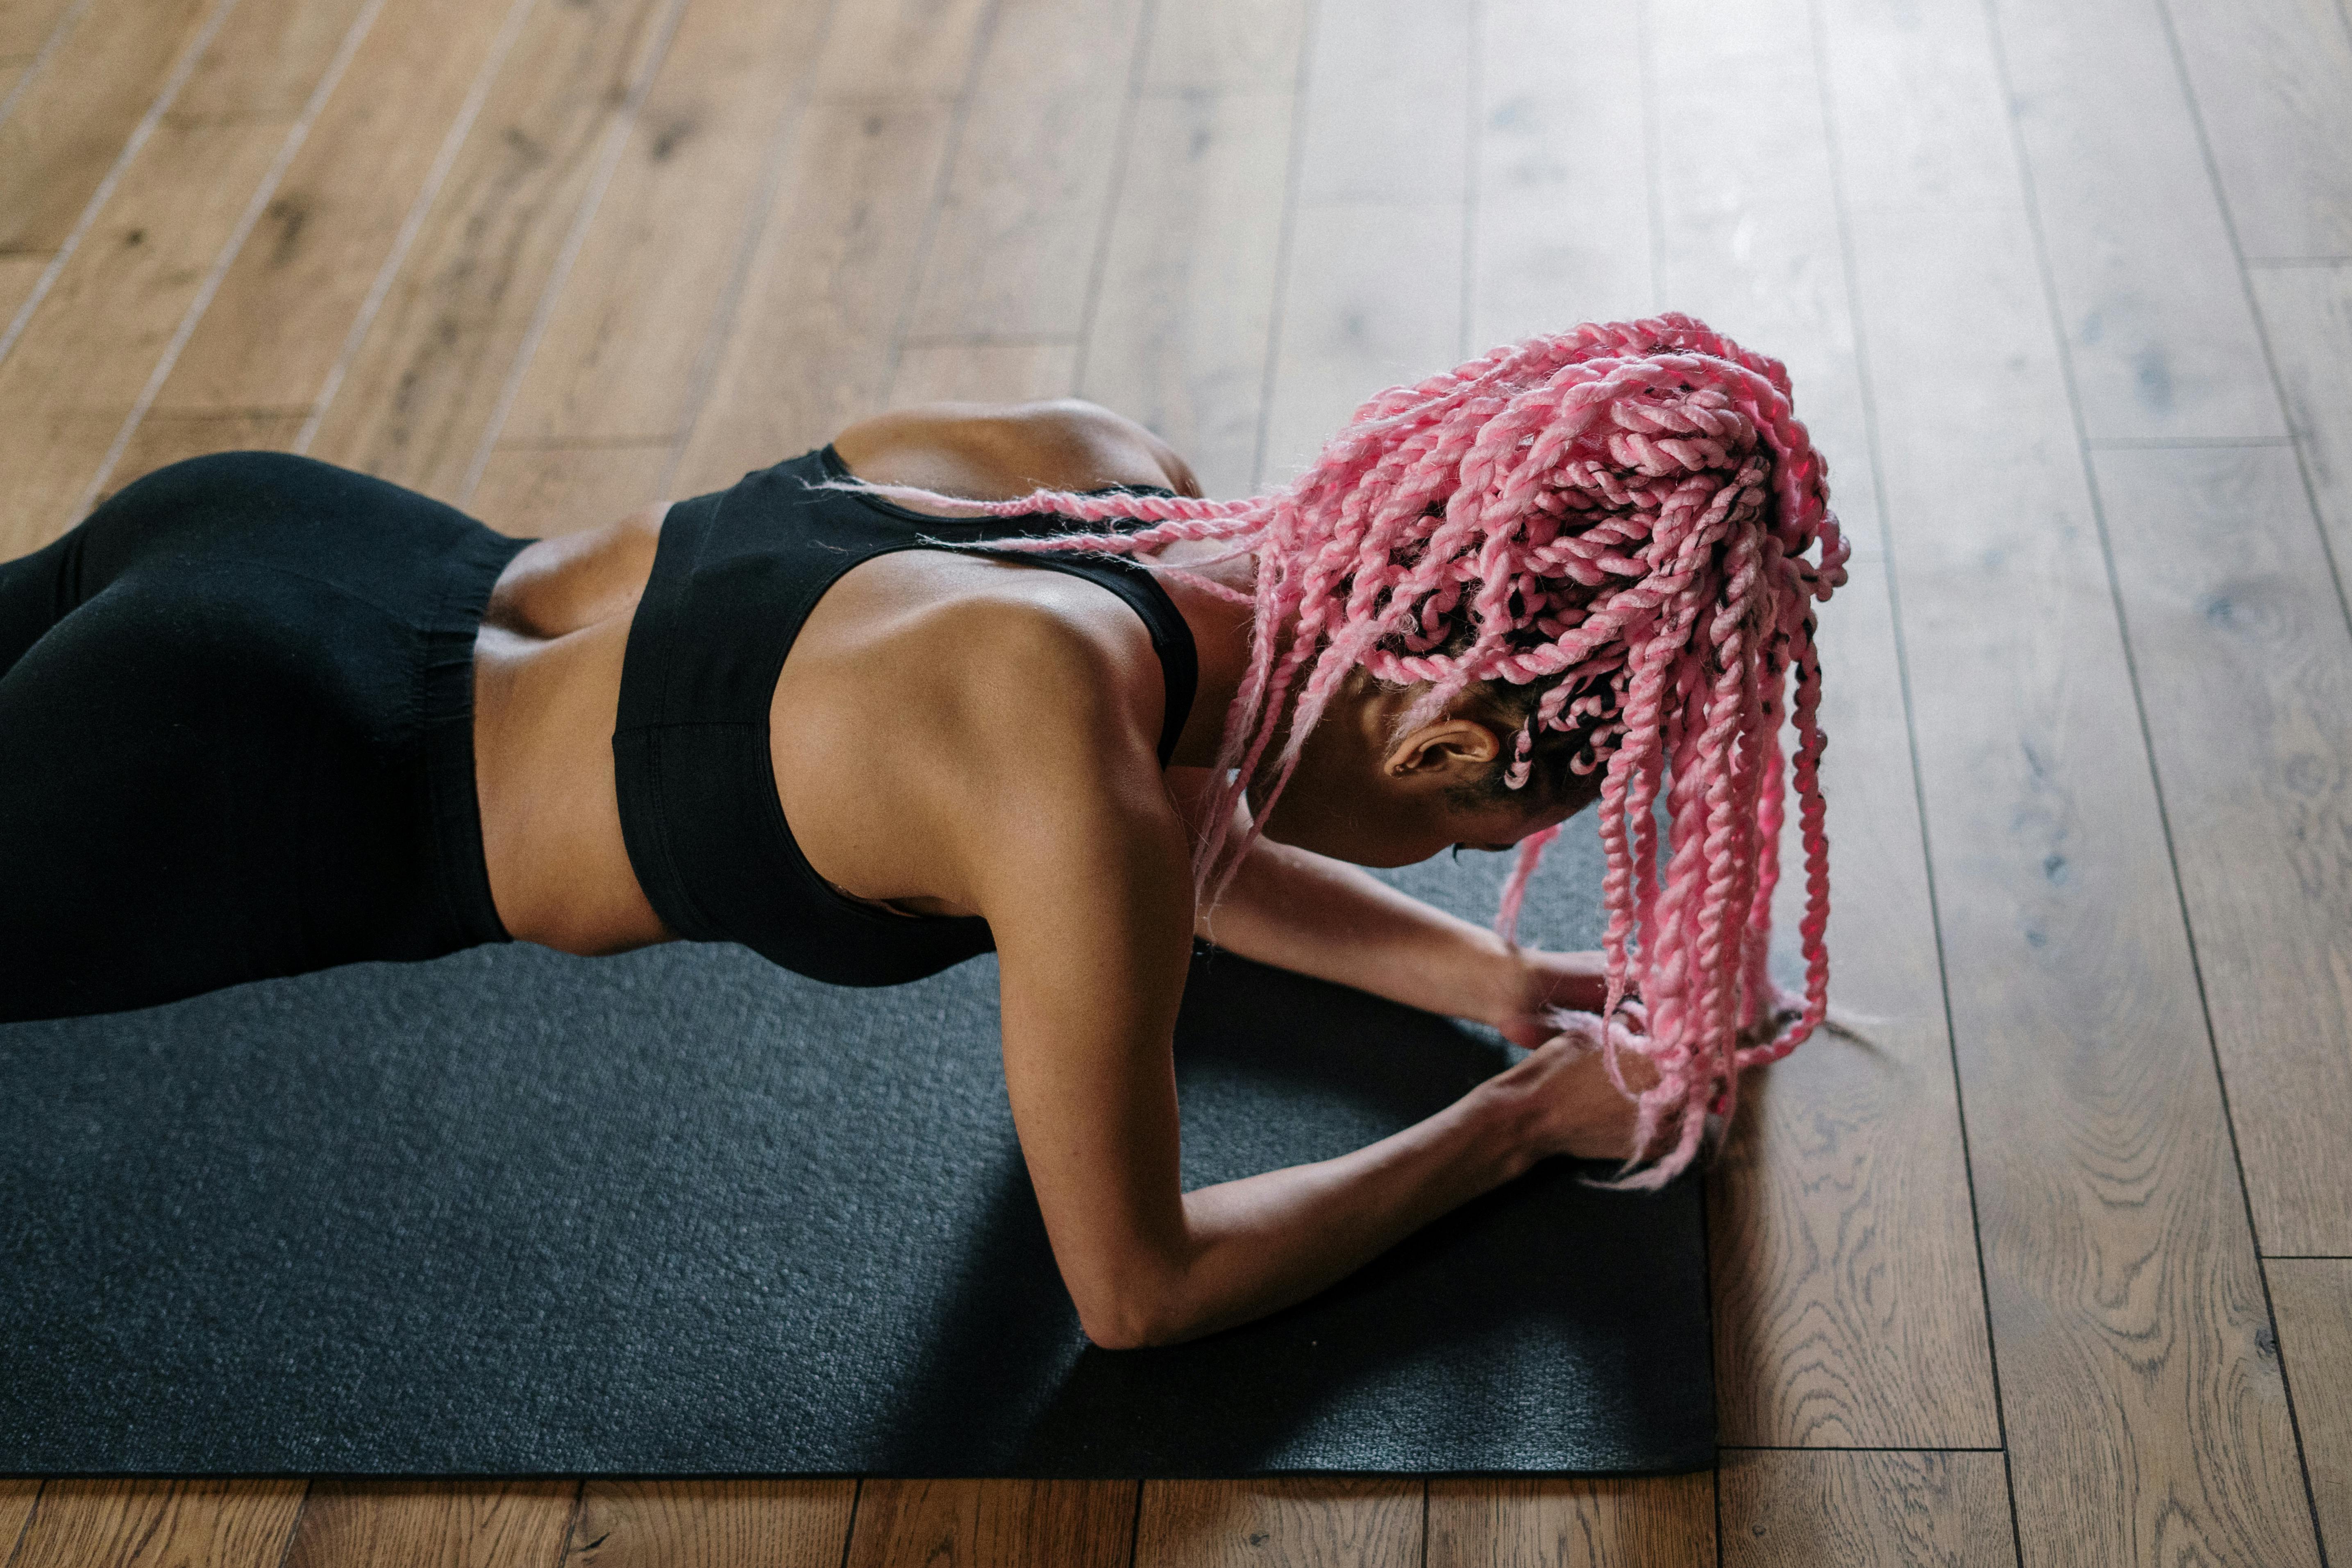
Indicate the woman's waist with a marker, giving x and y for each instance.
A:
(559, 867)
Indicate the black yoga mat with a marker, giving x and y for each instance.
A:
(682, 1213)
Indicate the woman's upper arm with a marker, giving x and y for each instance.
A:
(1088, 892)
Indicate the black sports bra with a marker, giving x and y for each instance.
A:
(735, 575)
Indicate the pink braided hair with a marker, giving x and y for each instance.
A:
(1619, 516)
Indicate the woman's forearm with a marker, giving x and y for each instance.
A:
(1263, 1242)
(1317, 916)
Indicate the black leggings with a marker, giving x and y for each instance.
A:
(237, 736)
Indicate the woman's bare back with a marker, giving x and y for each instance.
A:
(875, 672)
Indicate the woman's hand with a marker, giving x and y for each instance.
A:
(1539, 981)
(1562, 1103)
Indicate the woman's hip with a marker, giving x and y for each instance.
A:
(243, 744)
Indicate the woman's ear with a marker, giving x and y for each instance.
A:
(1449, 752)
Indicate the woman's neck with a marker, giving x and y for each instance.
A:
(1221, 636)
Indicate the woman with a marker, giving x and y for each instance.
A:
(263, 715)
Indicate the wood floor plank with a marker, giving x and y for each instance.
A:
(71, 124)
(1021, 220)
(1209, 45)
(433, 1524)
(632, 321)
(1387, 105)
(2155, 315)
(535, 491)
(984, 373)
(2273, 85)
(18, 1498)
(1372, 297)
(1182, 336)
(167, 438)
(80, 366)
(992, 1524)
(711, 1524)
(809, 349)
(161, 1524)
(272, 333)
(2245, 667)
(1746, 211)
(899, 49)
(1642, 1521)
(1560, 220)
(2307, 316)
(1324, 1522)
(26, 24)
(1866, 1510)
(265, 61)
(425, 386)
(18, 274)
(1848, 1303)
(2313, 1299)
(2145, 1421)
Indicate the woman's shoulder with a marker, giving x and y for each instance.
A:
(992, 451)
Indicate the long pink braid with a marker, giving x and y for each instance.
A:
(1622, 512)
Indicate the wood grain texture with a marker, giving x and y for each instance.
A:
(161, 1524)
(535, 491)
(1388, 106)
(1867, 1511)
(1181, 338)
(2155, 316)
(899, 49)
(809, 349)
(2307, 316)
(2244, 665)
(2313, 1299)
(70, 123)
(984, 373)
(285, 308)
(26, 25)
(167, 438)
(266, 60)
(17, 1499)
(421, 393)
(1560, 225)
(1324, 1522)
(2125, 1300)
(433, 1524)
(1848, 1303)
(635, 317)
(992, 1524)
(1645, 1522)
(2274, 86)
(1209, 45)
(711, 1524)
(1747, 214)
(81, 365)
(18, 274)
(1020, 222)
(1372, 297)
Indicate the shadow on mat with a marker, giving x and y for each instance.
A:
(1273, 1070)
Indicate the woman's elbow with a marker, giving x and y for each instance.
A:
(1133, 1320)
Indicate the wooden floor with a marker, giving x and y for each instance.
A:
(2059, 1270)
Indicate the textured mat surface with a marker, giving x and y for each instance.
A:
(681, 1213)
